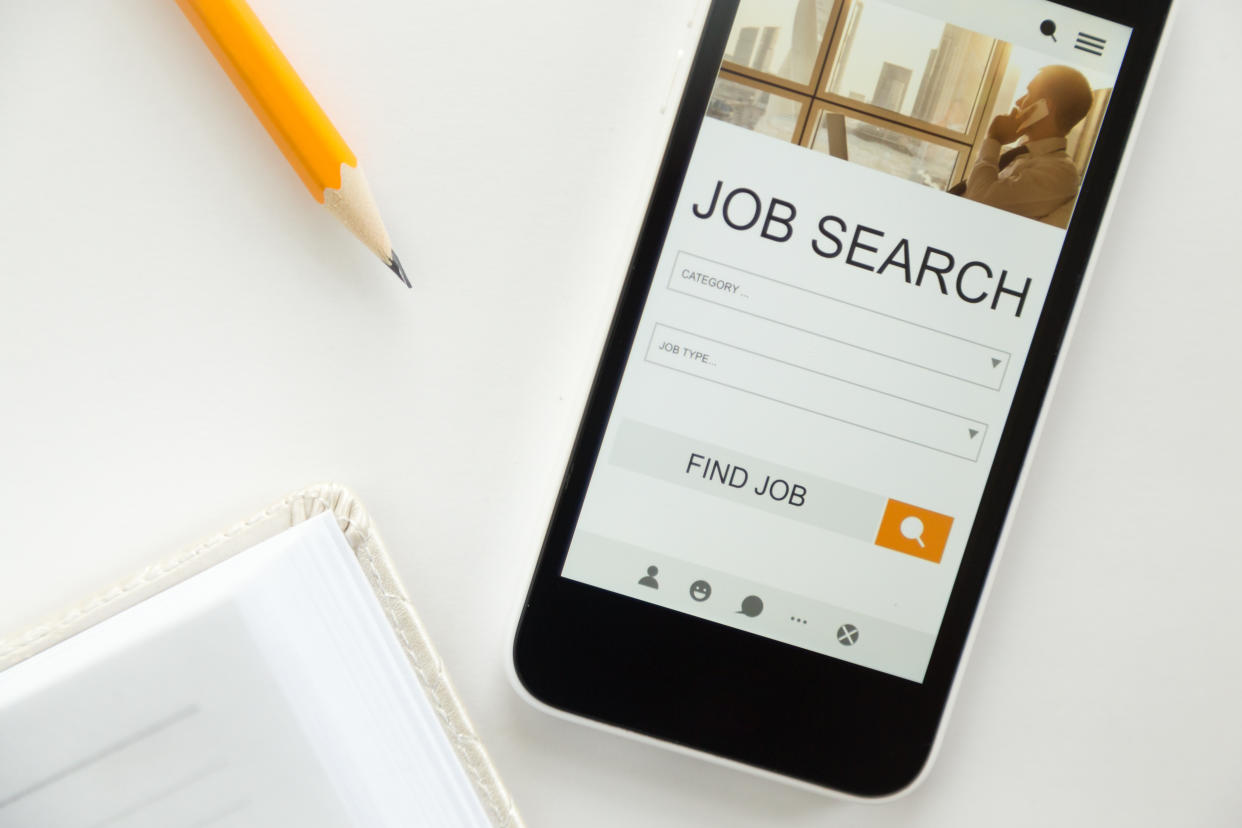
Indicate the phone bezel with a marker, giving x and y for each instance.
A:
(671, 676)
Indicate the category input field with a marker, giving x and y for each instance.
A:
(810, 389)
(868, 330)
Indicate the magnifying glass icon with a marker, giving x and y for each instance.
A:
(1049, 29)
(912, 529)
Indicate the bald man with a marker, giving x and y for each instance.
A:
(1038, 180)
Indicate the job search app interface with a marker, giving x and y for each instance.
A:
(859, 255)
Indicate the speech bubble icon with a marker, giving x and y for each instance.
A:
(912, 529)
(752, 605)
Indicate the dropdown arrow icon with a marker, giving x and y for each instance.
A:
(974, 432)
(995, 362)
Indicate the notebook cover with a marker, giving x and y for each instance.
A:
(356, 525)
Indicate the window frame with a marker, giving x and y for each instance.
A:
(814, 96)
(818, 106)
(817, 68)
(804, 101)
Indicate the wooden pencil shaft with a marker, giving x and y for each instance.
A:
(292, 117)
(275, 93)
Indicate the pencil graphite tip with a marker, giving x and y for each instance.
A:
(395, 266)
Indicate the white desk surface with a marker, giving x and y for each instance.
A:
(185, 336)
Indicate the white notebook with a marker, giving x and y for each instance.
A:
(287, 684)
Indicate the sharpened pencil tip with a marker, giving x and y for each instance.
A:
(395, 267)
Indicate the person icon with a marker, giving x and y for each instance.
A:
(649, 580)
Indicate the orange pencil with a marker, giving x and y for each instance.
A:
(291, 116)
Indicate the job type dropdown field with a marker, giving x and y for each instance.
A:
(810, 388)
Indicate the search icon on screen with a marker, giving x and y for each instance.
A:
(912, 529)
(1049, 29)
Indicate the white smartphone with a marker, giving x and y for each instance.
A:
(826, 370)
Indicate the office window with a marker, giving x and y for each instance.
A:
(779, 38)
(756, 108)
(903, 62)
(910, 93)
(743, 46)
(767, 44)
(883, 148)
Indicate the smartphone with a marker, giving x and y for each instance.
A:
(826, 369)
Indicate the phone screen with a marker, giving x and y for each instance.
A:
(840, 315)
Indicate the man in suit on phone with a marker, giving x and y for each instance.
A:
(1036, 178)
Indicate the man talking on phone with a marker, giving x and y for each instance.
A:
(1036, 178)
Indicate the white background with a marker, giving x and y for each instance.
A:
(185, 336)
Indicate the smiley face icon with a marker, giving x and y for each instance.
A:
(700, 590)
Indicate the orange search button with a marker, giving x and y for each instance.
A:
(914, 531)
